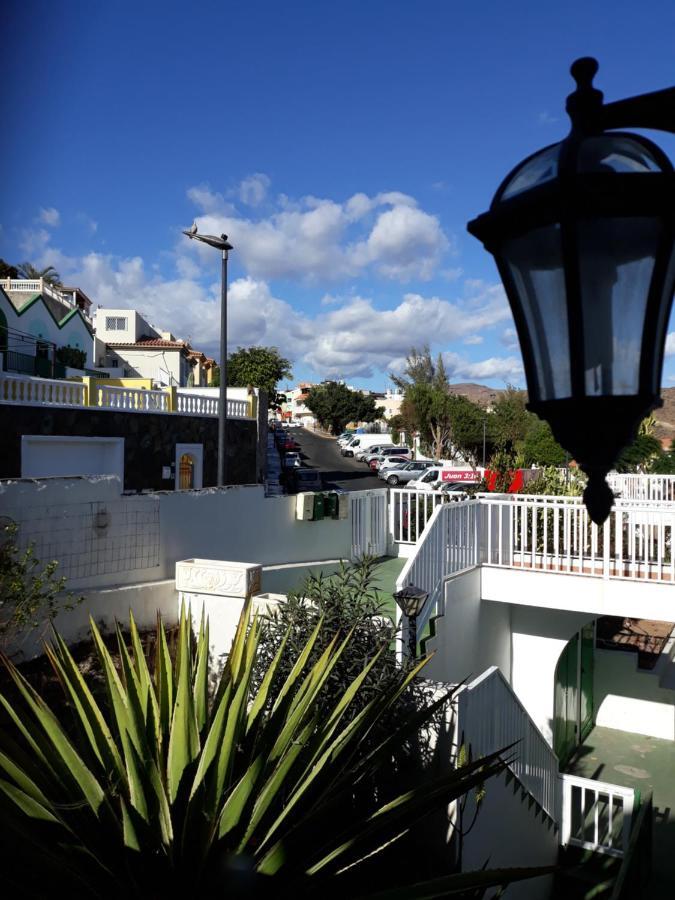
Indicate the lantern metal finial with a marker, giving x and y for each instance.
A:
(584, 106)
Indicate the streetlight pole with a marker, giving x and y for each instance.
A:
(484, 424)
(220, 243)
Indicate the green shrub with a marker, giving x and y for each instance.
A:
(71, 357)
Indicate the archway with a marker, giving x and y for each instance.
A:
(573, 706)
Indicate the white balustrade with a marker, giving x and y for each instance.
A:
(556, 534)
(595, 815)
(201, 405)
(643, 487)
(409, 513)
(131, 399)
(450, 544)
(492, 718)
(29, 391)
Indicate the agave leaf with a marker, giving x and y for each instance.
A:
(22, 780)
(41, 752)
(184, 738)
(277, 783)
(234, 806)
(136, 703)
(263, 691)
(67, 758)
(27, 804)
(236, 654)
(129, 833)
(164, 681)
(407, 808)
(232, 735)
(201, 683)
(212, 743)
(299, 665)
(89, 716)
(150, 708)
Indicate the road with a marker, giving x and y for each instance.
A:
(338, 471)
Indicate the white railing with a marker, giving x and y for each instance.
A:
(409, 513)
(449, 545)
(643, 487)
(491, 718)
(32, 286)
(131, 399)
(197, 405)
(29, 391)
(596, 815)
(555, 534)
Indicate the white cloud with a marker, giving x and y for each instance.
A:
(472, 339)
(253, 190)
(509, 338)
(49, 216)
(318, 238)
(87, 222)
(670, 344)
(34, 241)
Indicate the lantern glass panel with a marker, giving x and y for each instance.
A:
(612, 153)
(540, 168)
(662, 324)
(534, 261)
(616, 263)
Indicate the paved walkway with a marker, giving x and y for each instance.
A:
(645, 763)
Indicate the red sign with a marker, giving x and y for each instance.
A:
(460, 475)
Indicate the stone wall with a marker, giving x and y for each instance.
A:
(149, 441)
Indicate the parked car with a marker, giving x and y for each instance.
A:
(380, 460)
(370, 442)
(305, 480)
(395, 462)
(403, 474)
(436, 476)
(292, 460)
(387, 452)
(290, 444)
(373, 451)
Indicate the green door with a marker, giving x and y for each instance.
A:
(566, 702)
(586, 677)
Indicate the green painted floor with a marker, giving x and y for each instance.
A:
(387, 570)
(645, 763)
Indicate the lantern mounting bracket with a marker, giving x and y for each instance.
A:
(590, 115)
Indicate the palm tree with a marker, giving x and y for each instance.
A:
(48, 274)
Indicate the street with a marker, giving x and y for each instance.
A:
(338, 471)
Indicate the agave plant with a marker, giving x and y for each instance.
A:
(168, 790)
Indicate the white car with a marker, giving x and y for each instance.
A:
(384, 452)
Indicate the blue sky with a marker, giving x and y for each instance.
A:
(343, 147)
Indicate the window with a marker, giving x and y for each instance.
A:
(114, 363)
(116, 323)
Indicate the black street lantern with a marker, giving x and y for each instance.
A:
(583, 234)
(411, 601)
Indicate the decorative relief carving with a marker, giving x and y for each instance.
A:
(223, 579)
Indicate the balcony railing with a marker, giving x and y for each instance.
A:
(24, 389)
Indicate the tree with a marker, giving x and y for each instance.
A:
(665, 463)
(261, 367)
(7, 270)
(335, 405)
(644, 452)
(419, 369)
(510, 419)
(48, 274)
(540, 448)
(468, 419)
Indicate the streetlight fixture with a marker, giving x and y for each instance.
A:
(220, 243)
(583, 236)
(411, 601)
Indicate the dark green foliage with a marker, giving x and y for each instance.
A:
(335, 405)
(639, 455)
(48, 274)
(31, 593)
(7, 270)
(261, 367)
(539, 447)
(72, 357)
(664, 464)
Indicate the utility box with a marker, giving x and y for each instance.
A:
(330, 505)
(304, 506)
(318, 507)
(343, 506)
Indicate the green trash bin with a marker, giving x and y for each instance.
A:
(318, 507)
(330, 505)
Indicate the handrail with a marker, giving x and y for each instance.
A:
(492, 717)
(636, 865)
(449, 545)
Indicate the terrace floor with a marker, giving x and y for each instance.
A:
(645, 763)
